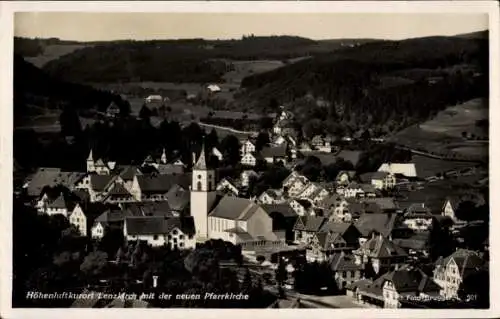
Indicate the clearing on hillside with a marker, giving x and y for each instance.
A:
(52, 52)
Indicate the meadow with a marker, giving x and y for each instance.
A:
(52, 52)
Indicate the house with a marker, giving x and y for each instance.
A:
(332, 237)
(213, 88)
(284, 218)
(345, 177)
(113, 110)
(118, 194)
(228, 185)
(274, 154)
(244, 222)
(450, 207)
(99, 186)
(178, 198)
(154, 187)
(306, 227)
(294, 184)
(313, 192)
(300, 206)
(305, 147)
(337, 208)
(246, 176)
(249, 160)
(271, 196)
(247, 146)
(154, 98)
(383, 224)
(97, 165)
(78, 219)
(170, 169)
(322, 144)
(381, 252)
(417, 245)
(57, 206)
(451, 271)
(344, 269)
(177, 232)
(380, 180)
(418, 218)
(394, 288)
(405, 169)
(353, 190)
(110, 219)
(381, 204)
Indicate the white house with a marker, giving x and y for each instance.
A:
(452, 270)
(405, 169)
(154, 98)
(383, 180)
(217, 153)
(345, 177)
(57, 206)
(249, 159)
(97, 230)
(246, 175)
(226, 184)
(295, 183)
(271, 196)
(300, 206)
(78, 219)
(176, 232)
(247, 146)
(418, 218)
(213, 88)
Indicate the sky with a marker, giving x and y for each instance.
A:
(105, 26)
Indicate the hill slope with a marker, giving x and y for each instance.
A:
(192, 60)
(426, 75)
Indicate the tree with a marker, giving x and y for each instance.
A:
(311, 168)
(112, 240)
(246, 285)
(466, 211)
(262, 140)
(441, 241)
(231, 148)
(368, 270)
(94, 264)
(281, 273)
(212, 140)
(70, 122)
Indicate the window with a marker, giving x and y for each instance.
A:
(210, 185)
(155, 237)
(174, 232)
(181, 237)
(199, 176)
(181, 245)
(198, 187)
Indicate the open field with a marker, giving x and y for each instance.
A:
(427, 167)
(457, 119)
(443, 134)
(243, 69)
(52, 52)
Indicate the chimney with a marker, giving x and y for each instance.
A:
(155, 281)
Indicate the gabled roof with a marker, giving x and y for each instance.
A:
(385, 203)
(161, 208)
(58, 203)
(99, 183)
(333, 227)
(379, 175)
(310, 223)
(343, 262)
(119, 190)
(284, 209)
(466, 260)
(381, 223)
(304, 203)
(49, 176)
(112, 216)
(201, 164)
(162, 183)
(381, 247)
(406, 169)
(234, 208)
(409, 279)
(128, 172)
(368, 188)
(165, 169)
(158, 225)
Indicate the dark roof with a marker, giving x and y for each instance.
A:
(310, 223)
(409, 279)
(234, 208)
(284, 209)
(170, 169)
(381, 223)
(366, 177)
(119, 190)
(100, 182)
(273, 151)
(128, 172)
(466, 260)
(385, 203)
(113, 216)
(48, 176)
(201, 163)
(339, 228)
(158, 225)
(161, 208)
(381, 247)
(304, 202)
(162, 183)
(379, 175)
(58, 203)
(343, 262)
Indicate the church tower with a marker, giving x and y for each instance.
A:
(202, 195)
(90, 163)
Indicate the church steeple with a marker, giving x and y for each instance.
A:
(163, 158)
(201, 164)
(91, 156)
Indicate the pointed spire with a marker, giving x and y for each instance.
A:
(201, 164)
(91, 156)
(164, 157)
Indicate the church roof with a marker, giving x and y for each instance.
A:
(201, 164)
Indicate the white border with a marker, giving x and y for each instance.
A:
(6, 163)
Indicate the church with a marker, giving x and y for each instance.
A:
(237, 220)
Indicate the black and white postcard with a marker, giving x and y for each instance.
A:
(214, 156)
